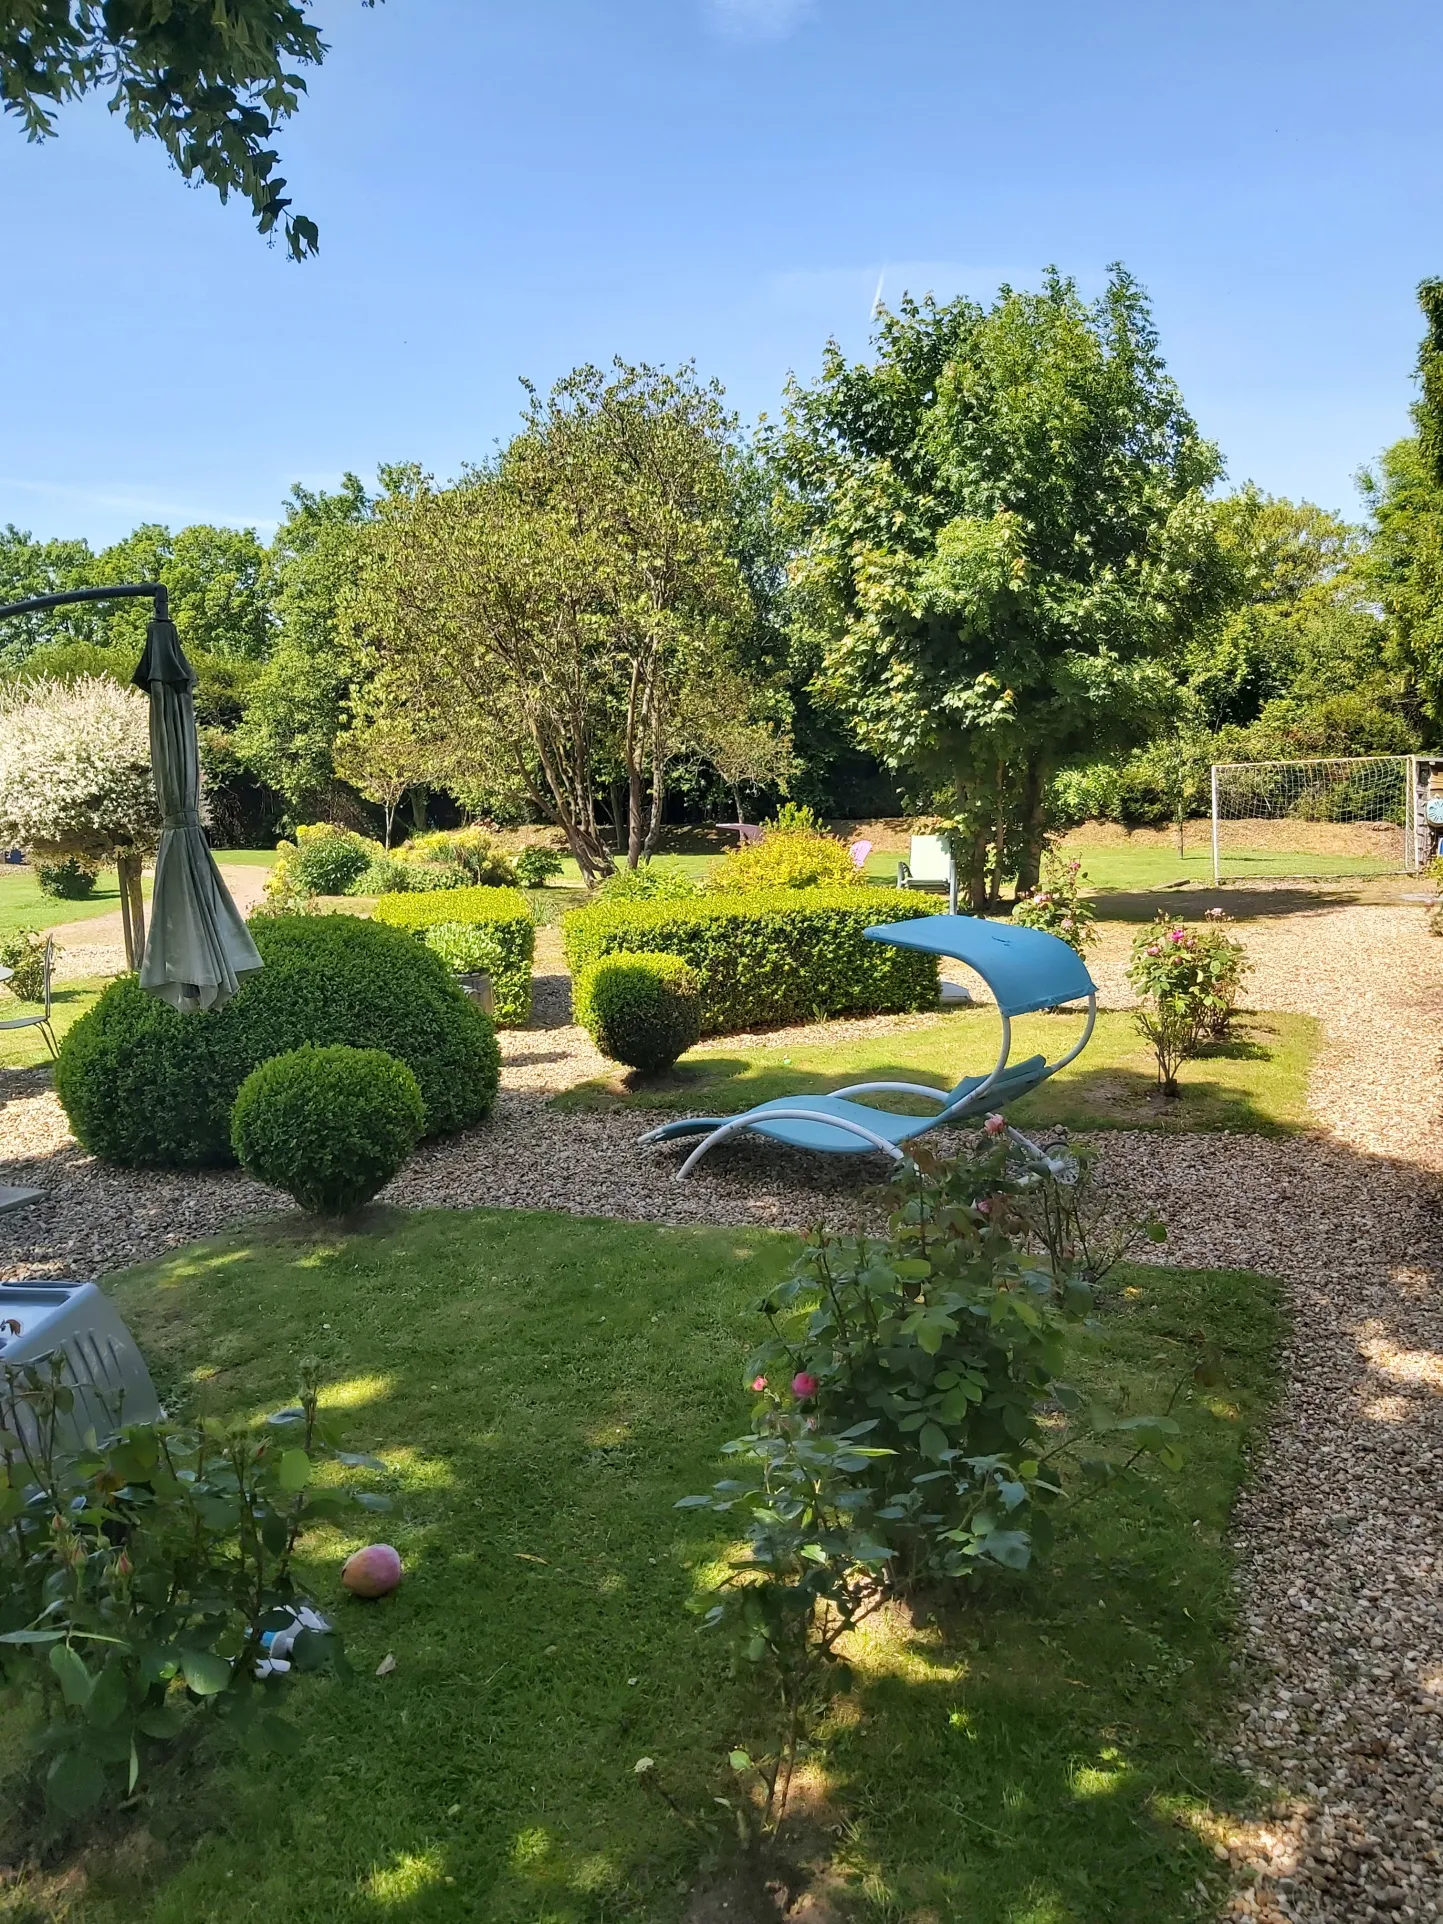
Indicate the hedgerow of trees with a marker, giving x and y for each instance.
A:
(988, 575)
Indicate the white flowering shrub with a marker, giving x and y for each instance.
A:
(75, 769)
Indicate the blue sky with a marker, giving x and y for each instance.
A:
(507, 190)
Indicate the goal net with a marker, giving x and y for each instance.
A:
(1343, 816)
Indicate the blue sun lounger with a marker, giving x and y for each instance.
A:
(1025, 969)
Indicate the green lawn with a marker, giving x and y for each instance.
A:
(1149, 866)
(1257, 1082)
(25, 1048)
(247, 857)
(23, 906)
(543, 1389)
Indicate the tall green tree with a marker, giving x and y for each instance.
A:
(1002, 542)
(29, 567)
(547, 616)
(212, 83)
(1404, 567)
(299, 703)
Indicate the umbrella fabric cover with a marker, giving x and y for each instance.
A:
(197, 947)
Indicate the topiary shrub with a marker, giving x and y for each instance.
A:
(789, 955)
(330, 1126)
(501, 917)
(643, 1010)
(148, 1087)
(71, 879)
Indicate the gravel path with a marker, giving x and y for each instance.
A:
(1339, 1534)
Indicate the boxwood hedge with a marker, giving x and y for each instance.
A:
(503, 921)
(146, 1086)
(786, 955)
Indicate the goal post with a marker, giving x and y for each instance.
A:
(1323, 816)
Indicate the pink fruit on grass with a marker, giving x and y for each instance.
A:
(372, 1572)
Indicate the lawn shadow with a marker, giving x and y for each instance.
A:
(1192, 902)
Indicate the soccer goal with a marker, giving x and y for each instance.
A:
(1349, 815)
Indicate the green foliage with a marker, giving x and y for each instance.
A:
(394, 875)
(647, 882)
(140, 1571)
(567, 598)
(536, 866)
(785, 956)
(1003, 536)
(501, 916)
(210, 84)
(469, 850)
(643, 1010)
(299, 703)
(71, 879)
(323, 860)
(146, 1086)
(1060, 908)
(912, 1423)
(330, 1126)
(793, 853)
(1188, 981)
(23, 953)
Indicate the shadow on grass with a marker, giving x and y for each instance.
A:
(1093, 1093)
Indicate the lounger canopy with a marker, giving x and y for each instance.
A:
(1025, 969)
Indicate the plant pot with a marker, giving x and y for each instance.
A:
(478, 987)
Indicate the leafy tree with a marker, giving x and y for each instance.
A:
(1404, 568)
(75, 780)
(29, 567)
(298, 704)
(211, 83)
(728, 723)
(219, 583)
(1003, 539)
(1300, 624)
(383, 757)
(550, 611)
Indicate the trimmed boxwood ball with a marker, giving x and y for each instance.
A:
(147, 1087)
(329, 1126)
(643, 1010)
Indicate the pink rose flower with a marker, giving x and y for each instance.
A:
(805, 1385)
(995, 1125)
(759, 1383)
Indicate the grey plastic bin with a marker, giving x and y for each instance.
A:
(103, 1365)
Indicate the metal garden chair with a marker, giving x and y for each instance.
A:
(41, 1021)
(1026, 969)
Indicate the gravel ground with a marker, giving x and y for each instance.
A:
(1339, 1534)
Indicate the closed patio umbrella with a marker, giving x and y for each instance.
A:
(197, 947)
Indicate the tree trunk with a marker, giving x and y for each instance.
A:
(132, 907)
(389, 809)
(1034, 827)
(418, 808)
(618, 817)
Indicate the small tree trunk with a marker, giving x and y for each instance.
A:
(132, 907)
(737, 803)
(1034, 827)
(418, 808)
(390, 812)
(125, 929)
